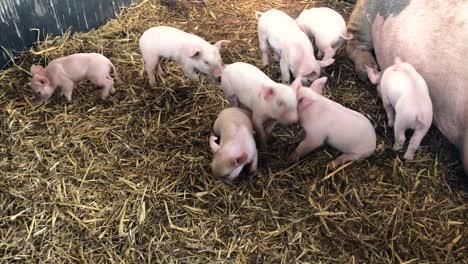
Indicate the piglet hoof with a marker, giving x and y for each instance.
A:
(293, 158)
(152, 83)
(332, 165)
(253, 169)
(194, 77)
(160, 72)
(390, 123)
(408, 156)
(397, 147)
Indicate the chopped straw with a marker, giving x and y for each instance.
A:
(129, 181)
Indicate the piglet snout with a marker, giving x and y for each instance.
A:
(290, 118)
(217, 72)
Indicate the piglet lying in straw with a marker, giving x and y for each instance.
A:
(269, 101)
(191, 52)
(327, 27)
(237, 147)
(67, 71)
(290, 46)
(327, 122)
(406, 100)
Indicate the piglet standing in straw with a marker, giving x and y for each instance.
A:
(290, 46)
(405, 97)
(245, 84)
(190, 51)
(67, 71)
(237, 145)
(327, 27)
(327, 122)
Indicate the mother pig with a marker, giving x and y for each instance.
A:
(430, 35)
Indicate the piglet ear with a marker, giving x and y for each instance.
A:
(213, 145)
(40, 79)
(374, 75)
(258, 15)
(296, 85)
(242, 158)
(318, 84)
(303, 102)
(220, 43)
(193, 52)
(267, 92)
(327, 62)
(35, 69)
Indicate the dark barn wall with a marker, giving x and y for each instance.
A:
(54, 17)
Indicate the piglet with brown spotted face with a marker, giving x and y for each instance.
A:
(237, 145)
(65, 72)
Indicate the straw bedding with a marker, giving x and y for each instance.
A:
(129, 180)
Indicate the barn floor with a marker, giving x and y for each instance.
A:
(129, 180)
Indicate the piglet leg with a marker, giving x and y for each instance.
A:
(390, 112)
(343, 158)
(254, 164)
(259, 128)
(160, 70)
(67, 89)
(400, 137)
(190, 72)
(329, 53)
(306, 146)
(269, 126)
(150, 66)
(285, 76)
(414, 142)
(263, 48)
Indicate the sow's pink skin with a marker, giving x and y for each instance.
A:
(290, 46)
(191, 52)
(406, 100)
(434, 44)
(327, 122)
(237, 145)
(326, 27)
(67, 71)
(245, 84)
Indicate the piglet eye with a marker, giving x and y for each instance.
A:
(280, 103)
(39, 92)
(41, 82)
(206, 62)
(300, 100)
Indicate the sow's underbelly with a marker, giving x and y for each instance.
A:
(433, 37)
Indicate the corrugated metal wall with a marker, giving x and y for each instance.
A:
(18, 18)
